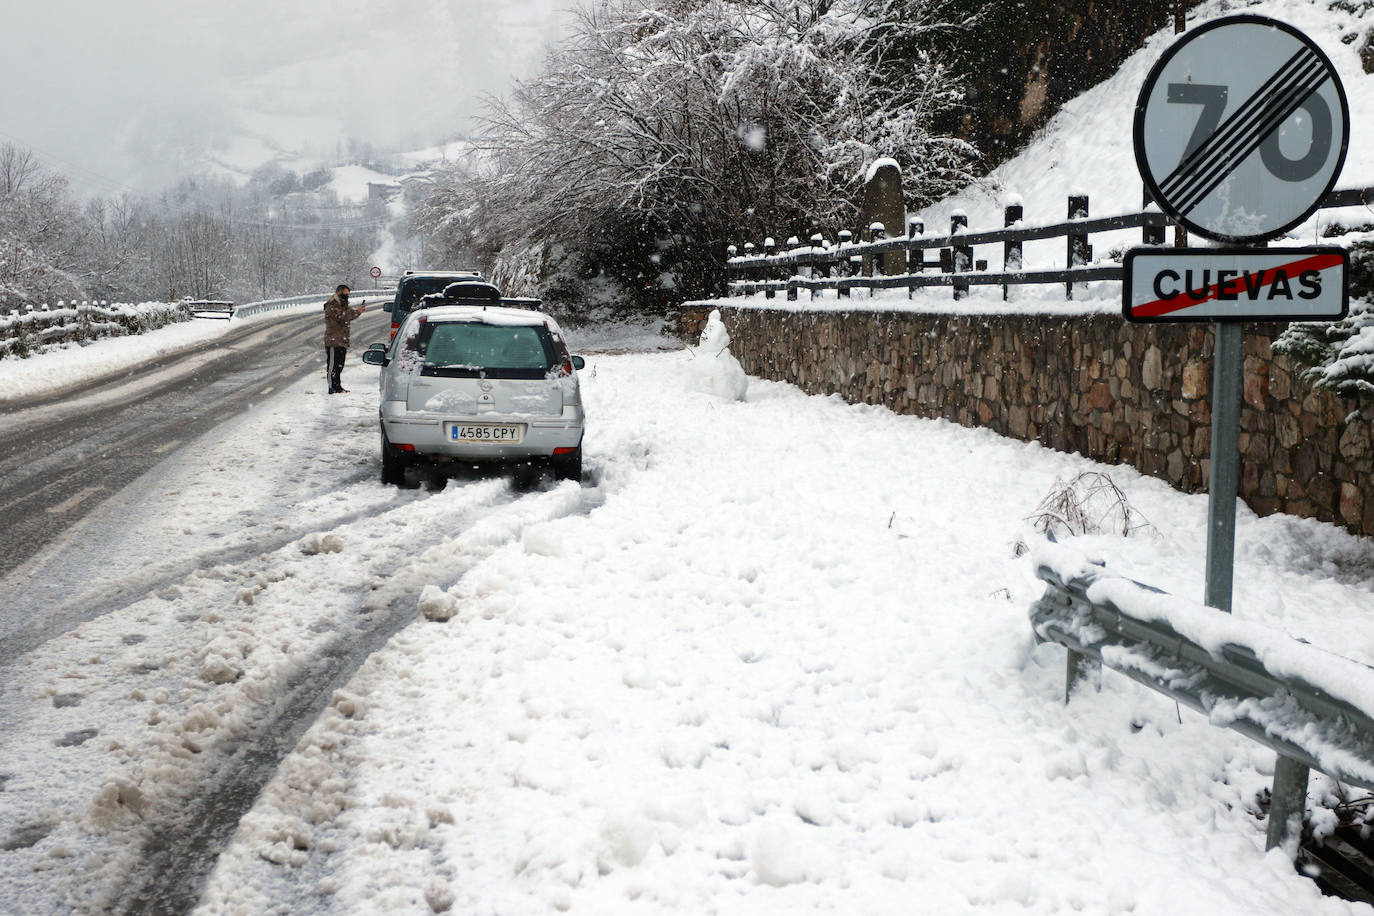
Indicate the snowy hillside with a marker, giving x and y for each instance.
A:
(1086, 148)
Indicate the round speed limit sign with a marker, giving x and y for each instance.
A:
(1241, 129)
(376, 272)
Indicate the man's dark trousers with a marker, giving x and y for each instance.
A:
(333, 367)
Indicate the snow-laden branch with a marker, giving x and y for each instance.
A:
(694, 123)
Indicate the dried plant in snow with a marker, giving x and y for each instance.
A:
(1090, 503)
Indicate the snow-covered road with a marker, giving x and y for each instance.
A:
(772, 655)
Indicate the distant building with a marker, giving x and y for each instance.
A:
(377, 190)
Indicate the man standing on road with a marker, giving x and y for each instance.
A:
(337, 318)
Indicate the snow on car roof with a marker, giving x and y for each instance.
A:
(488, 315)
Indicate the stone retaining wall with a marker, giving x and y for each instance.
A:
(1093, 384)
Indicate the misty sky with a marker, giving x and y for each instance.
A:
(134, 95)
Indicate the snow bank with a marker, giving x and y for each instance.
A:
(812, 688)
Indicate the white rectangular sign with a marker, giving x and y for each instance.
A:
(1248, 284)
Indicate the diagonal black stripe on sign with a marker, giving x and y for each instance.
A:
(1239, 137)
(1207, 150)
(1243, 132)
(1276, 112)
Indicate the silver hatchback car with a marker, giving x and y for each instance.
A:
(466, 385)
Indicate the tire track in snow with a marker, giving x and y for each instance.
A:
(180, 853)
(112, 596)
(184, 733)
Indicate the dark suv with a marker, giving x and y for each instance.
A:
(414, 285)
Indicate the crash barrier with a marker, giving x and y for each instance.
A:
(205, 308)
(844, 263)
(28, 329)
(1306, 704)
(273, 305)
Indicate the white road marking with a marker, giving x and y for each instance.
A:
(72, 501)
(267, 390)
(167, 446)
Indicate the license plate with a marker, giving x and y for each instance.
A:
(472, 432)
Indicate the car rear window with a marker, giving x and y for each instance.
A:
(464, 348)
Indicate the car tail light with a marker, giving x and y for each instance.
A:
(564, 451)
(403, 446)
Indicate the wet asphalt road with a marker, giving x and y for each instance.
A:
(62, 456)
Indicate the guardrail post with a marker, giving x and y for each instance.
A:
(842, 265)
(820, 268)
(770, 248)
(1011, 251)
(1287, 806)
(1077, 668)
(1079, 253)
(961, 256)
(793, 244)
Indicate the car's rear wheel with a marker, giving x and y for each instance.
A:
(568, 467)
(394, 464)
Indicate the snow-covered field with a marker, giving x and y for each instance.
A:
(772, 655)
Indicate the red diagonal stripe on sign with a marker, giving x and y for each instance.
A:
(1185, 301)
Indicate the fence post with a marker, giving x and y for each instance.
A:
(1011, 251)
(793, 244)
(771, 272)
(751, 272)
(731, 252)
(842, 262)
(915, 257)
(961, 256)
(1078, 250)
(820, 268)
(856, 261)
(1150, 235)
(877, 232)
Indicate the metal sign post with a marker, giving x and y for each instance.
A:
(1223, 486)
(1240, 130)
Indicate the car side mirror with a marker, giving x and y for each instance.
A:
(377, 346)
(579, 363)
(375, 357)
(386, 306)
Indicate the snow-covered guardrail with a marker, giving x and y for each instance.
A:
(23, 332)
(210, 308)
(32, 328)
(847, 262)
(1314, 708)
(273, 305)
